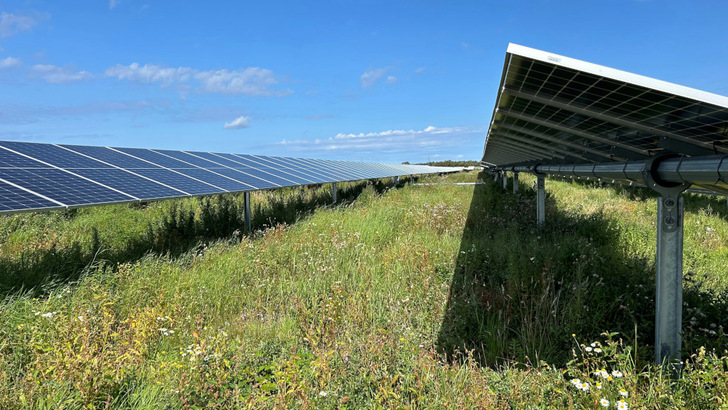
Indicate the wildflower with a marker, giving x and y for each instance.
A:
(323, 393)
(597, 350)
(617, 373)
(48, 315)
(604, 402)
(588, 349)
(599, 386)
(594, 344)
(622, 405)
(585, 387)
(623, 393)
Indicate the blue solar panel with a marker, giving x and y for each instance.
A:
(110, 156)
(230, 161)
(16, 199)
(212, 178)
(62, 186)
(53, 155)
(154, 157)
(255, 183)
(10, 159)
(129, 183)
(47, 176)
(339, 174)
(207, 161)
(177, 181)
(272, 169)
(292, 163)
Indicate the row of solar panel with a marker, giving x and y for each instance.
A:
(40, 176)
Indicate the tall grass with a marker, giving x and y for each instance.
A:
(435, 296)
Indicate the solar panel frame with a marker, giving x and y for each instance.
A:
(608, 112)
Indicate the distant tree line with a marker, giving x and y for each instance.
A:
(449, 163)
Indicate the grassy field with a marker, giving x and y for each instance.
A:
(422, 296)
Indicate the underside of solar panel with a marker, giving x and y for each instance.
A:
(37, 176)
(554, 110)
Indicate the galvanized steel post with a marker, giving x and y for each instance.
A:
(505, 180)
(668, 303)
(540, 199)
(334, 192)
(395, 180)
(668, 315)
(515, 182)
(246, 212)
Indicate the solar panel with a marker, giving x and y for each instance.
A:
(553, 109)
(49, 176)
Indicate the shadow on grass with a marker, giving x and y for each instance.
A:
(519, 292)
(184, 225)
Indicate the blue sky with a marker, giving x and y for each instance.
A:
(384, 81)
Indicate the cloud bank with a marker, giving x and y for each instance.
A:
(11, 24)
(59, 75)
(252, 81)
(406, 144)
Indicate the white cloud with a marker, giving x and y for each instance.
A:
(113, 4)
(149, 73)
(252, 81)
(9, 62)
(11, 24)
(370, 77)
(238, 123)
(420, 70)
(59, 75)
(391, 80)
(391, 143)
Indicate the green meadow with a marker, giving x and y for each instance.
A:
(427, 295)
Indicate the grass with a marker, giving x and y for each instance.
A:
(429, 296)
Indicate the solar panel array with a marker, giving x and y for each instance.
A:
(37, 176)
(557, 110)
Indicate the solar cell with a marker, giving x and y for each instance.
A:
(110, 156)
(274, 169)
(62, 186)
(53, 155)
(129, 183)
(9, 159)
(15, 199)
(178, 181)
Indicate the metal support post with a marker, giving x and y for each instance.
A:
(668, 317)
(515, 182)
(540, 199)
(334, 192)
(668, 309)
(246, 205)
(395, 180)
(505, 181)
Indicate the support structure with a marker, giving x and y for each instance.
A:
(515, 182)
(334, 192)
(540, 199)
(395, 180)
(246, 205)
(668, 312)
(505, 181)
(669, 295)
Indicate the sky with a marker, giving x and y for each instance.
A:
(363, 80)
